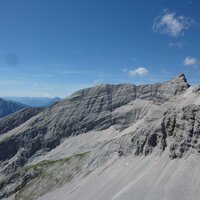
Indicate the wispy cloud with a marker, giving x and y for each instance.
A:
(171, 24)
(178, 45)
(70, 72)
(46, 95)
(140, 71)
(190, 61)
(98, 81)
(164, 70)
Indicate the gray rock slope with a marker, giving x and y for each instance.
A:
(13, 120)
(87, 130)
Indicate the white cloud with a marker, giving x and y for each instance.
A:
(35, 84)
(99, 81)
(140, 71)
(177, 44)
(46, 95)
(164, 70)
(171, 24)
(190, 61)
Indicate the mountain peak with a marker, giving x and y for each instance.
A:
(181, 82)
(181, 77)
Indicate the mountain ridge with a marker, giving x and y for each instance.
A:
(9, 107)
(126, 120)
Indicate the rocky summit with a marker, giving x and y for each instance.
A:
(107, 142)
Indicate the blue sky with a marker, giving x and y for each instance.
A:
(55, 47)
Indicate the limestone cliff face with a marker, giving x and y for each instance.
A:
(162, 115)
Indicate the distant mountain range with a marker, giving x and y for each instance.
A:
(34, 101)
(8, 107)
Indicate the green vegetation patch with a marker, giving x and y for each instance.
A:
(52, 174)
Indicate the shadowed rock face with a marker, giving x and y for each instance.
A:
(184, 128)
(9, 107)
(99, 108)
(12, 121)
(179, 129)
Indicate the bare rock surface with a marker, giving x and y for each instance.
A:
(12, 121)
(105, 141)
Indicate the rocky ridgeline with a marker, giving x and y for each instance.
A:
(162, 126)
(85, 110)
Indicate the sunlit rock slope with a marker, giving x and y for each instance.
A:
(120, 142)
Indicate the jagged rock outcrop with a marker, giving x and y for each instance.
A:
(157, 118)
(184, 129)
